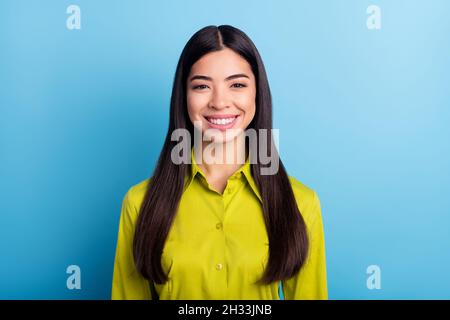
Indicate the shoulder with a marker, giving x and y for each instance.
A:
(136, 193)
(307, 200)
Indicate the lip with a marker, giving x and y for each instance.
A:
(222, 116)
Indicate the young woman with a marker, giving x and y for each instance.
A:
(222, 228)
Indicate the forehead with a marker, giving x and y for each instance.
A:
(221, 63)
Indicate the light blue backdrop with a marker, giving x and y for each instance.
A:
(363, 116)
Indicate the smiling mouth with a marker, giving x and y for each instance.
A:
(222, 120)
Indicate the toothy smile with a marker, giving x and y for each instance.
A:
(221, 120)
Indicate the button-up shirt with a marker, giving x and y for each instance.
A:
(217, 246)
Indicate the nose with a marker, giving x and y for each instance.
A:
(219, 99)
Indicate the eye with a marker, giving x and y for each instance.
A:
(200, 86)
(238, 85)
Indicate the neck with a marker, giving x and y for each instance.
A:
(221, 160)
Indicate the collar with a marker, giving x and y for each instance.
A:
(244, 170)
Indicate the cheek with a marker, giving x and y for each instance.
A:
(249, 115)
(249, 106)
(194, 105)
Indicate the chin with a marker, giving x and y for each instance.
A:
(217, 136)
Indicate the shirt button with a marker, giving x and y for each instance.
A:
(219, 226)
(219, 266)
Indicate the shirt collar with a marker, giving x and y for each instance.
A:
(245, 170)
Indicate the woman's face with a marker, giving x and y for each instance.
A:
(221, 94)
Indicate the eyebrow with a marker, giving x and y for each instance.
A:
(234, 76)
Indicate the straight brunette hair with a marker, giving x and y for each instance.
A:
(288, 240)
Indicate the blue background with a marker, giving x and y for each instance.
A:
(363, 117)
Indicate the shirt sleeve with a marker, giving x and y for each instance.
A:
(128, 283)
(311, 281)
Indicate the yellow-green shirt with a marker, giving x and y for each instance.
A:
(218, 245)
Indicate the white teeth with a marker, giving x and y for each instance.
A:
(221, 121)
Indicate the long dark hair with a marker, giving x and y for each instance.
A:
(288, 241)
